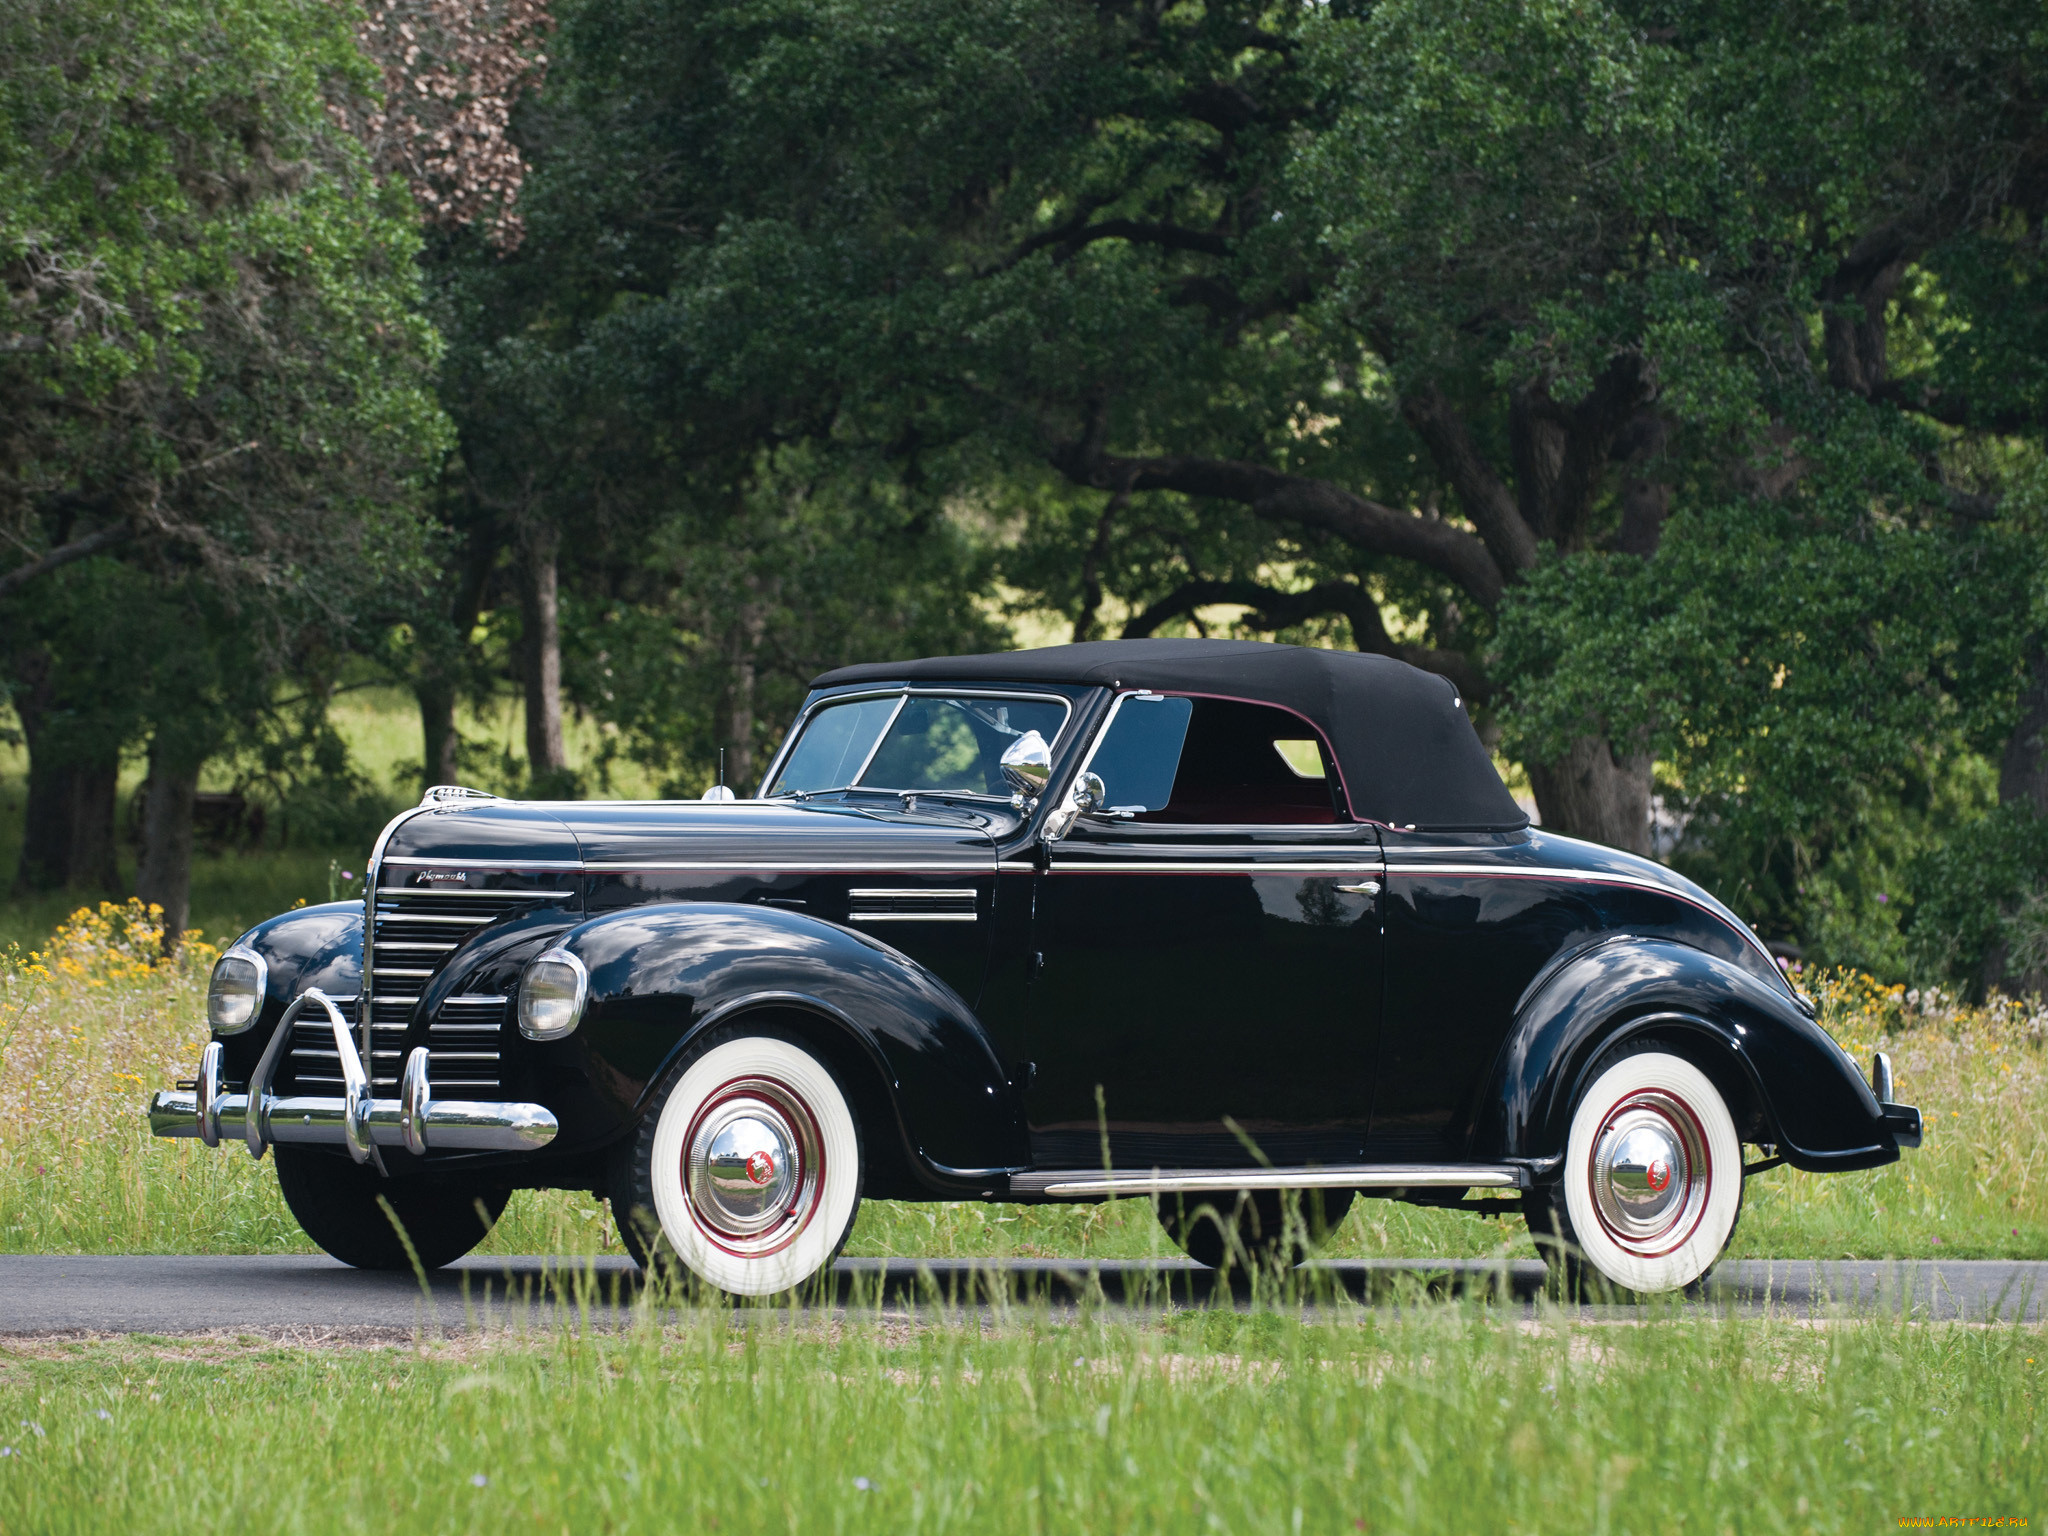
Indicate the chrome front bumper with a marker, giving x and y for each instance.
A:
(415, 1120)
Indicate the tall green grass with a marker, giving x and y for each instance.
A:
(1447, 1419)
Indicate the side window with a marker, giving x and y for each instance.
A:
(1140, 753)
(1250, 763)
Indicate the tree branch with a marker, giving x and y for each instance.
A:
(1508, 538)
(64, 554)
(1071, 238)
(1273, 609)
(1955, 410)
(1270, 493)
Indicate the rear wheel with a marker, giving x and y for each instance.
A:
(746, 1168)
(335, 1200)
(1652, 1179)
(1256, 1227)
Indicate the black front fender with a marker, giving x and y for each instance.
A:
(1808, 1096)
(306, 947)
(661, 975)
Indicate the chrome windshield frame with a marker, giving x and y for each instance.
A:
(902, 695)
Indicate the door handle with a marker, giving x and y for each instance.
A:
(1362, 888)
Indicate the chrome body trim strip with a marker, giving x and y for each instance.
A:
(1079, 1182)
(793, 866)
(1191, 867)
(916, 917)
(414, 861)
(430, 893)
(907, 893)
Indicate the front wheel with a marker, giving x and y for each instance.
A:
(337, 1202)
(1652, 1179)
(747, 1167)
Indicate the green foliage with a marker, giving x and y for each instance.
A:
(816, 562)
(215, 310)
(216, 369)
(1978, 893)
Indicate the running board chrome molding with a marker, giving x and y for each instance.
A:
(1076, 1183)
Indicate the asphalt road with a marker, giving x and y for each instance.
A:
(314, 1296)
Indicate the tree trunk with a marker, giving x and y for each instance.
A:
(1592, 792)
(68, 824)
(441, 656)
(68, 836)
(2023, 771)
(437, 731)
(164, 877)
(2023, 779)
(540, 621)
(739, 757)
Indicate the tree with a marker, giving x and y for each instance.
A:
(215, 370)
(1345, 314)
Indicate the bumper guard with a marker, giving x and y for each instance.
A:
(415, 1120)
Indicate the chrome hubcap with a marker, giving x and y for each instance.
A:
(752, 1167)
(1650, 1174)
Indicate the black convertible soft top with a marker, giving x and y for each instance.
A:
(1407, 750)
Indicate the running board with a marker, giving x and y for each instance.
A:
(1077, 1183)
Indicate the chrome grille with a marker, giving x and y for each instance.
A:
(416, 931)
(462, 1046)
(312, 1065)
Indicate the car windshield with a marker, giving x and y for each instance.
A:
(914, 742)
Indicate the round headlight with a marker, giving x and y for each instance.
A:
(235, 995)
(551, 995)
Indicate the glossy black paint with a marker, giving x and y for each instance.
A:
(1203, 977)
(1474, 924)
(659, 975)
(1200, 975)
(308, 947)
(1787, 1082)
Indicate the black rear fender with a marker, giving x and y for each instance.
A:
(662, 975)
(1785, 1079)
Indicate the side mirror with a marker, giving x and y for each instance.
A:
(1090, 793)
(1085, 795)
(1027, 765)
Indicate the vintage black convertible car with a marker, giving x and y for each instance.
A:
(1202, 921)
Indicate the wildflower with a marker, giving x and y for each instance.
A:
(863, 1485)
(1883, 899)
(8, 1450)
(33, 1427)
(103, 1414)
(478, 1480)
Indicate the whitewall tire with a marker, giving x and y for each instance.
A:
(1652, 1174)
(749, 1165)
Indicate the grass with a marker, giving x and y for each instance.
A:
(89, 1028)
(1444, 1419)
